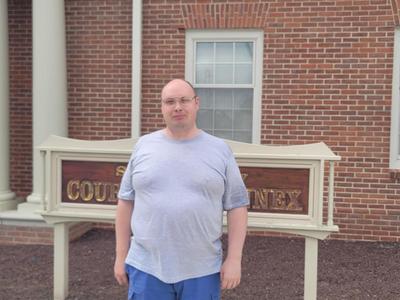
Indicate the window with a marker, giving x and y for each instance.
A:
(225, 68)
(395, 126)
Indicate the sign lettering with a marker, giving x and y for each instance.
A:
(275, 190)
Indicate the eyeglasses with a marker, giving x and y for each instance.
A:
(171, 102)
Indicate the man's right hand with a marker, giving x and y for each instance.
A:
(119, 272)
(122, 238)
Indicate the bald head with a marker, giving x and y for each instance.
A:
(179, 106)
(176, 84)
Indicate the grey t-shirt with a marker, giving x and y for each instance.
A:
(180, 188)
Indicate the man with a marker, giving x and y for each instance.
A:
(176, 186)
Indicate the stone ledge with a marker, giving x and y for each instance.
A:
(20, 218)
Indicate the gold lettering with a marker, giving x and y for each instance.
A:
(293, 197)
(279, 200)
(97, 191)
(271, 198)
(100, 191)
(120, 170)
(86, 190)
(114, 187)
(261, 201)
(251, 194)
(73, 189)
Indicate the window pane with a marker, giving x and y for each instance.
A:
(244, 52)
(224, 98)
(204, 52)
(243, 98)
(224, 52)
(243, 73)
(205, 119)
(223, 119)
(224, 134)
(224, 73)
(206, 97)
(226, 113)
(204, 73)
(242, 136)
(243, 120)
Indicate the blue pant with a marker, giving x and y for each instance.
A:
(143, 286)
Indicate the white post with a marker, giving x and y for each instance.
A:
(45, 180)
(330, 194)
(6, 196)
(321, 192)
(136, 68)
(61, 261)
(310, 268)
(49, 84)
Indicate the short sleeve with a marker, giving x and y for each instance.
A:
(235, 194)
(126, 190)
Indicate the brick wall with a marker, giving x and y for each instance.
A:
(99, 39)
(20, 57)
(327, 77)
(163, 56)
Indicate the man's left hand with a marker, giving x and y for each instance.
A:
(230, 273)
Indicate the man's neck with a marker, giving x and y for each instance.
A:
(181, 133)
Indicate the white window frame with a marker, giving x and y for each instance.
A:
(395, 123)
(256, 36)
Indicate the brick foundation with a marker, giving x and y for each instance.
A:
(12, 234)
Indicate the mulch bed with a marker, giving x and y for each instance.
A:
(272, 269)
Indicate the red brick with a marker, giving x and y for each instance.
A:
(326, 77)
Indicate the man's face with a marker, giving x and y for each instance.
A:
(179, 105)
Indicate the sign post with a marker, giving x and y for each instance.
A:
(285, 185)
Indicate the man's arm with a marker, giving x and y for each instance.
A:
(237, 228)
(122, 238)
